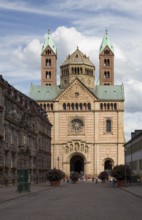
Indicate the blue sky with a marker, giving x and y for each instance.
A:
(24, 24)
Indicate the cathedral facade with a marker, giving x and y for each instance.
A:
(88, 124)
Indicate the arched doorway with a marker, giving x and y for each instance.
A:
(108, 165)
(77, 164)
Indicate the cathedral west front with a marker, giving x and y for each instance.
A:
(87, 119)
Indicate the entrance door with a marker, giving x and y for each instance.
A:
(77, 164)
(108, 165)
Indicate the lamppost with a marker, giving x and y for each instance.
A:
(58, 159)
(125, 166)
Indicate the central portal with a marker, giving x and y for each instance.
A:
(77, 164)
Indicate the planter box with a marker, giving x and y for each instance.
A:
(55, 183)
(121, 183)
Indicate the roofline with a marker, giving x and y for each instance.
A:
(132, 139)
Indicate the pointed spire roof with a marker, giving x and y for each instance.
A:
(77, 57)
(106, 42)
(49, 42)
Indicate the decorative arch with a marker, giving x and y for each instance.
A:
(108, 164)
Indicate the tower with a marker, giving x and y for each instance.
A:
(77, 65)
(106, 57)
(48, 61)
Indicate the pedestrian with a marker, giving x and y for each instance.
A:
(96, 180)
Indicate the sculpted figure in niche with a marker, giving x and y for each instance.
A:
(67, 149)
(71, 147)
(76, 146)
(86, 149)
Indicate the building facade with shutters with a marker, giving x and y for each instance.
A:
(25, 136)
(88, 124)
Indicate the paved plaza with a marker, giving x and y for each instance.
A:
(84, 200)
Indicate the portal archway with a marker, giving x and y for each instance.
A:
(77, 164)
(108, 165)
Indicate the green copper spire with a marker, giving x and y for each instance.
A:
(49, 42)
(106, 42)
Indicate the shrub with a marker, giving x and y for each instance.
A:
(103, 176)
(119, 171)
(74, 176)
(55, 174)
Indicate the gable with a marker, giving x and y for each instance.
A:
(48, 51)
(76, 91)
(106, 48)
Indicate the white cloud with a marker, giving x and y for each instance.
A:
(132, 122)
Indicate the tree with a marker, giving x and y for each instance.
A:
(103, 176)
(119, 172)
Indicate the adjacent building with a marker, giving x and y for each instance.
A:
(25, 135)
(88, 124)
(133, 153)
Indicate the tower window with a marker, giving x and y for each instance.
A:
(48, 62)
(106, 52)
(106, 74)
(106, 62)
(108, 125)
(48, 74)
(48, 51)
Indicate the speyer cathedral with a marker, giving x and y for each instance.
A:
(87, 119)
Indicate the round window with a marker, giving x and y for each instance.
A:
(77, 125)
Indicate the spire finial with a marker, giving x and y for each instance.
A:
(48, 31)
(106, 31)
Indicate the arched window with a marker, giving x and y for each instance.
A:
(48, 74)
(76, 106)
(80, 106)
(108, 106)
(101, 106)
(72, 106)
(48, 106)
(89, 106)
(48, 62)
(104, 106)
(106, 62)
(84, 106)
(44, 106)
(108, 125)
(68, 106)
(115, 106)
(48, 51)
(64, 106)
(51, 107)
(106, 52)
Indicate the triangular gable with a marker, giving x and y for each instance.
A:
(76, 91)
(46, 48)
(105, 48)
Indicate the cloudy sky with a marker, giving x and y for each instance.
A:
(24, 24)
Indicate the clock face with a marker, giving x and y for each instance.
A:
(76, 125)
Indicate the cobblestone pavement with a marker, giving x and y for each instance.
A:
(85, 201)
(10, 192)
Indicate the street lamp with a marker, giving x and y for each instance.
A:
(58, 159)
(125, 166)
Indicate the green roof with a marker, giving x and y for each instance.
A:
(106, 42)
(44, 93)
(50, 93)
(49, 42)
(110, 92)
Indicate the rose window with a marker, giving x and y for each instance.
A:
(76, 125)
